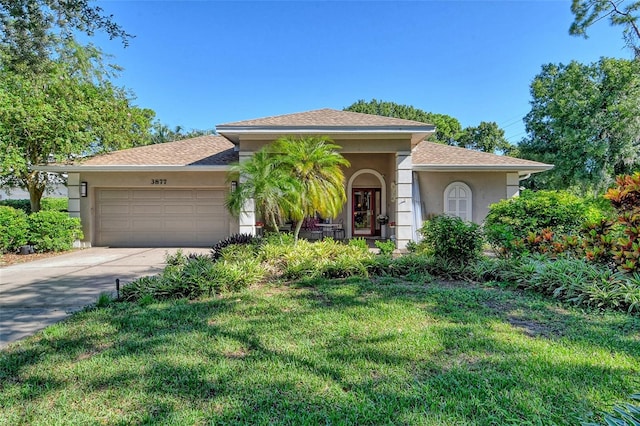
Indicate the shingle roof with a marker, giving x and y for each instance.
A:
(326, 118)
(438, 156)
(209, 150)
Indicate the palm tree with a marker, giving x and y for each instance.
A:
(263, 183)
(316, 167)
(291, 178)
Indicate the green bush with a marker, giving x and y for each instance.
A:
(386, 247)
(55, 204)
(23, 205)
(13, 229)
(194, 276)
(511, 221)
(573, 281)
(53, 231)
(452, 239)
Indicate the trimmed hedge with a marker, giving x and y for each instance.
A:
(55, 204)
(13, 229)
(53, 231)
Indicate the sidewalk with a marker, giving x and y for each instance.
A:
(37, 294)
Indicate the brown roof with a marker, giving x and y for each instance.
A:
(326, 118)
(439, 156)
(209, 150)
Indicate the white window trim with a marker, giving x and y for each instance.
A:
(469, 199)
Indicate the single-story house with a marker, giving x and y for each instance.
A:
(172, 194)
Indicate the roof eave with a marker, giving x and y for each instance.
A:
(129, 168)
(482, 168)
(233, 133)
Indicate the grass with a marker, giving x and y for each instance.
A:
(326, 352)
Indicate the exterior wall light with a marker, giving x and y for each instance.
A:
(234, 185)
(83, 189)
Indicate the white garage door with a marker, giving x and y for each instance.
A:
(160, 217)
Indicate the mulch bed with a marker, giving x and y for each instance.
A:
(9, 259)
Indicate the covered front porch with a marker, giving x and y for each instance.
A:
(380, 203)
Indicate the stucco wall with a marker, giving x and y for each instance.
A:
(132, 180)
(487, 188)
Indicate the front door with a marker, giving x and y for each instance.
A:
(364, 215)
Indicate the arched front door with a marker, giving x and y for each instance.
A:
(373, 192)
(366, 208)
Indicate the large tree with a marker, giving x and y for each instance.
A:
(619, 12)
(585, 119)
(56, 99)
(60, 114)
(447, 128)
(487, 136)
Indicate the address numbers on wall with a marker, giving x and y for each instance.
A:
(158, 181)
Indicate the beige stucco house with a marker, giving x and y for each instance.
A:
(173, 194)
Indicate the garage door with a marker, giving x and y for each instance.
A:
(160, 217)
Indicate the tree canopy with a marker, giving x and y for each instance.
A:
(487, 136)
(447, 128)
(619, 12)
(56, 99)
(161, 133)
(584, 119)
(31, 30)
(59, 116)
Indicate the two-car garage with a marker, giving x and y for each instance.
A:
(189, 217)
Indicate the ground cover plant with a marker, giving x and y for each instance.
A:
(346, 351)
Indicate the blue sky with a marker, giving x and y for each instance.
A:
(202, 63)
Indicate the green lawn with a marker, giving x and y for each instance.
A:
(326, 352)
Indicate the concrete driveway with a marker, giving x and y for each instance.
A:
(36, 294)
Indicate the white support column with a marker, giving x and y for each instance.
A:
(247, 219)
(404, 204)
(73, 193)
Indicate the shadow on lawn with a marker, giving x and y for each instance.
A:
(470, 375)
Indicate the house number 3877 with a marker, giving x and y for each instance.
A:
(158, 181)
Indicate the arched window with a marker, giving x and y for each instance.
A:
(457, 200)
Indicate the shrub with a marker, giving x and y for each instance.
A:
(13, 229)
(53, 231)
(452, 239)
(194, 276)
(625, 198)
(55, 204)
(386, 247)
(327, 258)
(216, 250)
(569, 280)
(24, 205)
(510, 221)
(359, 242)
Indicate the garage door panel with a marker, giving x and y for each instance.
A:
(160, 217)
(178, 194)
(114, 209)
(185, 209)
(107, 194)
(147, 209)
(115, 225)
(146, 194)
